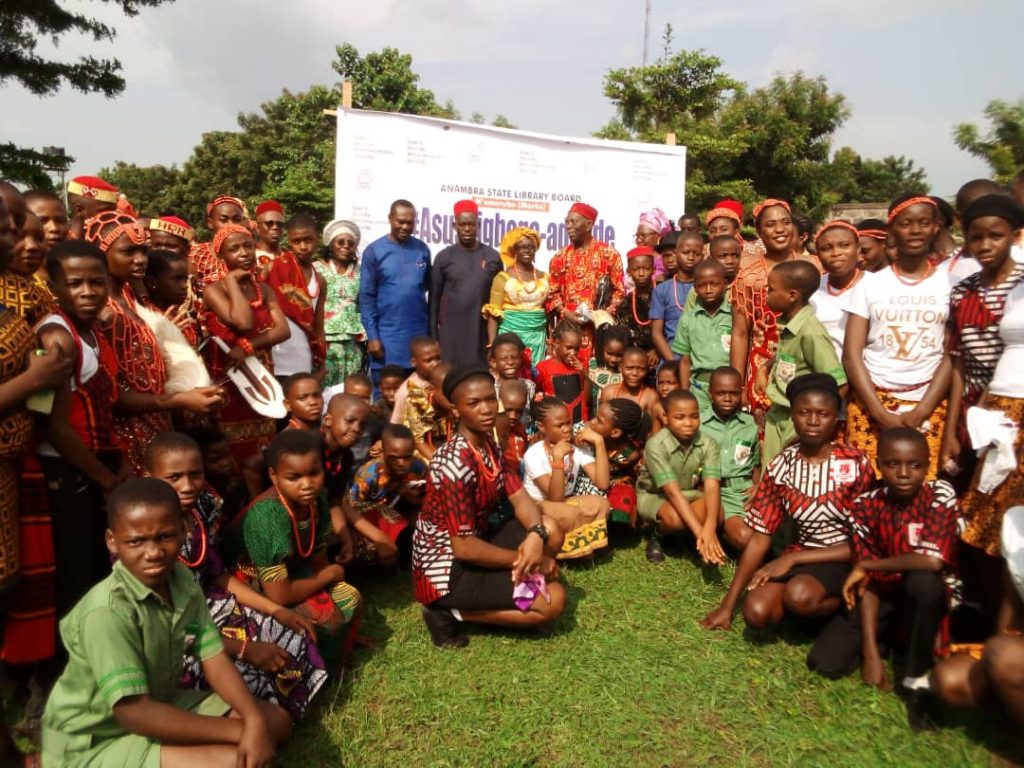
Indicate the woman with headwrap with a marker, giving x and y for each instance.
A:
(246, 315)
(518, 294)
(652, 227)
(203, 262)
(343, 328)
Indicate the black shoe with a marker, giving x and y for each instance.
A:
(444, 628)
(922, 713)
(654, 552)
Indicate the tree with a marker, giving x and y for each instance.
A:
(681, 93)
(1003, 147)
(22, 23)
(146, 187)
(786, 129)
(384, 81)
(30, 167)
(859, 180)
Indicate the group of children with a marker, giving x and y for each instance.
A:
(787, 408)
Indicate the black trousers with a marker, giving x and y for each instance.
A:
(79, 520)
(918, 603)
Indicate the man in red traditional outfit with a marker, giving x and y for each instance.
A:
(585, 272)
(269, 230)
(89, 196)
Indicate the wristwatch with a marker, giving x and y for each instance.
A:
(541, 531)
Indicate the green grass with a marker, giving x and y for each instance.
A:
(627, 679)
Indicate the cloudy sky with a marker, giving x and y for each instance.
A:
(911, 69)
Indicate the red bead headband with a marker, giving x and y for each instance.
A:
(768, 204)
(721, 213)
(836, 224)
(877, 234)
(908, 203)
(104, 228)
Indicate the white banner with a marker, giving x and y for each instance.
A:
(516, 177)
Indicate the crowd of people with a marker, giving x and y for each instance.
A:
(208, 445)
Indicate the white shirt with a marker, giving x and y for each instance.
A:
(537, 464)
(906, 328)
(1008, 379)
(829, 309)
(293, 355)
(90, 364)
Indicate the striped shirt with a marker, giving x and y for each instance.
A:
(974, 315)
(817, 496)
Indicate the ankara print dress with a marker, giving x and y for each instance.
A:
(291, 688)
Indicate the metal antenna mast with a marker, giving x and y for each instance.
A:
(647, 30)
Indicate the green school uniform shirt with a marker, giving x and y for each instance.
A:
(804, 347)
(737, 440)
(706, 338)
(666, 460)
(124, 640)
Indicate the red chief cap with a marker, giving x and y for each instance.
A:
(269, 205)
(172, 225)
(586, 211)
(466, 206)
(94, 188)
(732, 205)
(642, 250)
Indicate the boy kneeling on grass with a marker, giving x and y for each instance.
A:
(117, 702)
(904, 549)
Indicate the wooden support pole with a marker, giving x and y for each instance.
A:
(670, 139)
(346, 95)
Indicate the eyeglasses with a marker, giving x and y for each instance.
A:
(273, 224)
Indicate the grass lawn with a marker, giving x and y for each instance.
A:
(627, 679)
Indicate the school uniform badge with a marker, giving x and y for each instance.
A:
(742, 451)
(785, 370)
(844, 471)
(727, 342)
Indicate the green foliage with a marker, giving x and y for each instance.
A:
(29, 167)
(857, 180)
(1003, 147)
(628, 678)
(22, 24)
(384, 81)
(146, 187)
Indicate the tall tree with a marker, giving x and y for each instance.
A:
(786, 129)
(147, 187)
(681, 93)
(859, 180)
(22, 24)
(385, 81)
(1003, 146)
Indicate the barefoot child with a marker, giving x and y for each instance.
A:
(552, 466)
(704, 332)
(904, 550)
(813, 482)
(678, 487)
(735, 431)
(304, 401)
(804, 347)
(272, 646)
(284, 535)
(118, 701)
(561, 375)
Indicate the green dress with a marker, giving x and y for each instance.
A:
(343, 328)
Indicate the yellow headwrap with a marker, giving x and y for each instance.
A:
(513, 236)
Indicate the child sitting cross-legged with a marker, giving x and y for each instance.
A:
(384, 500)
(304, 401)
(272, 646)
(678, 487)
(813, 482)
(904, 574)
(284, 535)
(118, 701)
(735, 431)
(552, 466)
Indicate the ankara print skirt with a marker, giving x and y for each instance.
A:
(984, 511)
(291, 688)
(862, 430)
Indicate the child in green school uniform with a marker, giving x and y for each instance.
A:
(704, 333)
(678, 486)
(117, 702)
(735, 431)
(804, 347)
